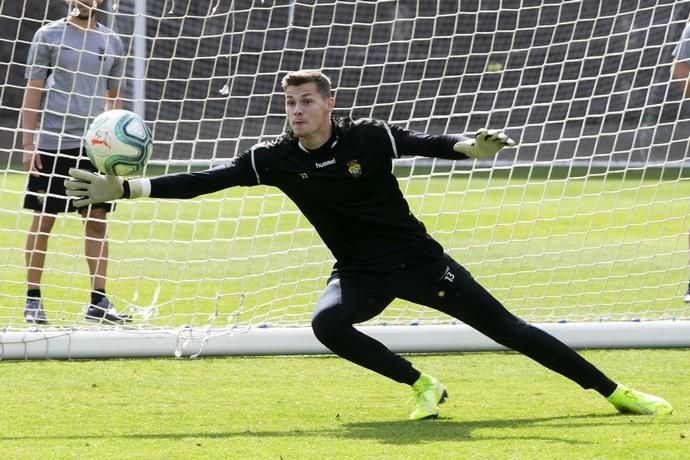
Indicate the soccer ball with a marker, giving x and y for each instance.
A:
(119, 143)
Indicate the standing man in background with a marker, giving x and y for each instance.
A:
(681, 75)
(73, 73)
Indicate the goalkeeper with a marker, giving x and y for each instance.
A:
(338, 172)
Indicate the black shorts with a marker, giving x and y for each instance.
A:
(45, 193)
(441, 283)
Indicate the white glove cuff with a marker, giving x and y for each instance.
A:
(139, 188)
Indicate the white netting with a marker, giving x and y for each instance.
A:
(586, 220)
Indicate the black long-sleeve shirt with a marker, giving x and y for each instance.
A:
(346, 189)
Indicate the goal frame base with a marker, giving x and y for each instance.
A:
(194, 342)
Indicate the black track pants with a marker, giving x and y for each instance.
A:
(355, 297)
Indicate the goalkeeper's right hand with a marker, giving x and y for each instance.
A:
(90, 188)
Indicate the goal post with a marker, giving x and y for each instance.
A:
(582, 229)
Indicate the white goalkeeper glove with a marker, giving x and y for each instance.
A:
(92, 188)
(486, 143)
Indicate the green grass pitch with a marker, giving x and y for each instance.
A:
(596, 245)
(501, 406)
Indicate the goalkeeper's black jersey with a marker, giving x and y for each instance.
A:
(346, 189)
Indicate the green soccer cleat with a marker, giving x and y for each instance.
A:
(429, 393)
(630, 401)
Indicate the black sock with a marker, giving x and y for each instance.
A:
(606, 393)
(412, 376)
(33, 293)
(97, 295)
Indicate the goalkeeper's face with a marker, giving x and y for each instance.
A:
(309, 113)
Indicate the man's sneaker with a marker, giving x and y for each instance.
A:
(630, 401)
(34, 313)
(105, 312)
(686, 297)
(428, 393)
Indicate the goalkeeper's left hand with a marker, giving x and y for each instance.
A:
(92, 188)
(486, 143)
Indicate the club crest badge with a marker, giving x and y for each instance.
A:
(354, 168)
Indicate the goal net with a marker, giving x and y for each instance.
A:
(583, 224)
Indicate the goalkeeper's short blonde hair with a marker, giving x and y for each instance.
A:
(300, 77)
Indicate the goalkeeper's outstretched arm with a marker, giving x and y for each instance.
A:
(89, 188)
(484, 144)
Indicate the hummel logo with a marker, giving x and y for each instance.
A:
(304, 175)
(325, 163)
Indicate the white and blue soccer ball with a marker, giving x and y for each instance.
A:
(119, 143)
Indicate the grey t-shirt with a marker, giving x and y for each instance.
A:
(78, 66)
(682, 50)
